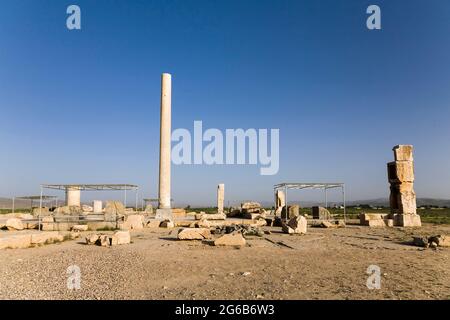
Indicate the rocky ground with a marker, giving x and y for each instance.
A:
(323, 264)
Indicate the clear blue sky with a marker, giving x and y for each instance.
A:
(83, 106)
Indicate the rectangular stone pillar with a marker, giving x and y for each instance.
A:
(164, 208)
(402, 197)
(220, 197)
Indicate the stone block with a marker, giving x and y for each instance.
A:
(80, 227)
(403, 153)
(407, 220)
(297, 225)
(153, 223)
(320, 213)
(178, 213)
(194, 234)
(400, 171)
(46, 237)
(15, 241)
(293, 211)
(231, 239)
(364, 217)
(120, 237)
(114, 208)
(167, 224)
(403, 199)
(133, 222)
(213, 216)
(14, 224)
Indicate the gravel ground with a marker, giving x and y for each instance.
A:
(323, 264)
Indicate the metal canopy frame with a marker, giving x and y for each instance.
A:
(32, 198)
(93, 187)
(89, 187)
(311, 185)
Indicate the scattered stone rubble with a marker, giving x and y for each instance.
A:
(432, 241)
(105, 240)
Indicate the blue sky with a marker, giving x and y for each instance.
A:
(83, 106)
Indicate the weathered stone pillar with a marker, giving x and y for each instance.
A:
(164, 211)
(220, 197)
(73, 196)
(401, 178)
(280, 199)
(98, 206)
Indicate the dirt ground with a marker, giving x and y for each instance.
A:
(323, 264)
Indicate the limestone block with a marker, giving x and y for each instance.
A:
(407, 220)
(403, 153)
(364, 217)
(403, 199)
(148, 209)
(114, 208)
(213, 216)
(321, 213)
(250, 207)
(92, 238)
(15, 241)
(400, 171)
(87, 208)
(44, 211)
(95, 225)
(254, 216)
(120, 237)
(47, 223)
(280, 199)
(231, 239)
(297, 225)
(24, 216)
(134, 222)
(80, 227)
(46, 237)
(194, 234)
(14, 224)
(293, 210)
(167, 224)
(178, 213)
(68, 210)
(153, 223)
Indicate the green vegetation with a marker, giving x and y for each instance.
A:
(428, 215)
(4, 211)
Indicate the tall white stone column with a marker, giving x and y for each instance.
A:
(73, 197)
(164, 208)
(220, 197)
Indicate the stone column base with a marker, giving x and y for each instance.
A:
(164, 214)
(407, 220)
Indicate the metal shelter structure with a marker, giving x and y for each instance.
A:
(92, 187)
(34, 198)
(311, 185)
